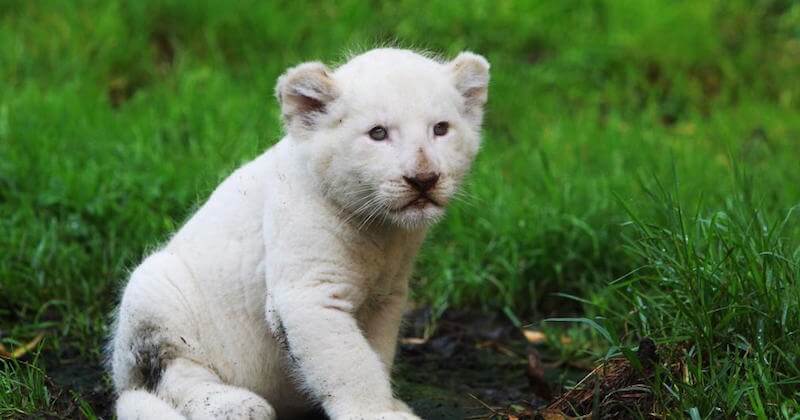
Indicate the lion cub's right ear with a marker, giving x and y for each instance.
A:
(304, 93)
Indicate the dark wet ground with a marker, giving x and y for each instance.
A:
(71, 378)
(472, 362)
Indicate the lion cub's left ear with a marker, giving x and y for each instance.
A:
(471, 77)
(304, 93)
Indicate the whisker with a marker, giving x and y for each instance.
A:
(467, 198)
(364, 208)
(375, 211)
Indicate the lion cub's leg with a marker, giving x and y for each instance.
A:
(382, 327)
(200, 394)
(329, 351)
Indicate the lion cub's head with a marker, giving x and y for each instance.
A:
(390, 134)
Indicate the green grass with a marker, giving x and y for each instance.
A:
(23, 390)
(721, 285)
(640, 157)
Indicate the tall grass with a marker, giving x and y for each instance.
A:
(722, 285)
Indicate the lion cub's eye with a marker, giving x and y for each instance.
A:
(441, 128)
(378, 133)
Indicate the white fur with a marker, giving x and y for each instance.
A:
(285, 291)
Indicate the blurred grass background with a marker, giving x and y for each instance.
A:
(640, 169)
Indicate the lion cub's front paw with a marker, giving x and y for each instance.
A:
(386, 415)
(396, 415)
(234, 404)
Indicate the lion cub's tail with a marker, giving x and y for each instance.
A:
(142, 405)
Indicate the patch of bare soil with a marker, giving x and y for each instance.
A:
(475, 365)
(479, 366)
(74, 382)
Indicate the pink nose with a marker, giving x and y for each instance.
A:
(422, 182)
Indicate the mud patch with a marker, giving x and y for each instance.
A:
(151, 354)
(76, 381)
(473, 363)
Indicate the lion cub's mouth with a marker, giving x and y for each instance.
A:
(419, 202)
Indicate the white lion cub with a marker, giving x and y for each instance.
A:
(285, 291)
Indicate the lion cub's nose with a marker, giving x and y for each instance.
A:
(423, 182)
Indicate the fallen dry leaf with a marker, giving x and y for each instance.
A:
(550, 414)
(414, 341)
(23, 349)
(534, 336)
(537, 337)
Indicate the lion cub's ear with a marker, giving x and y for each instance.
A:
(471, 77)
(304, 92)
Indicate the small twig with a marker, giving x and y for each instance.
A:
(494, 411)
